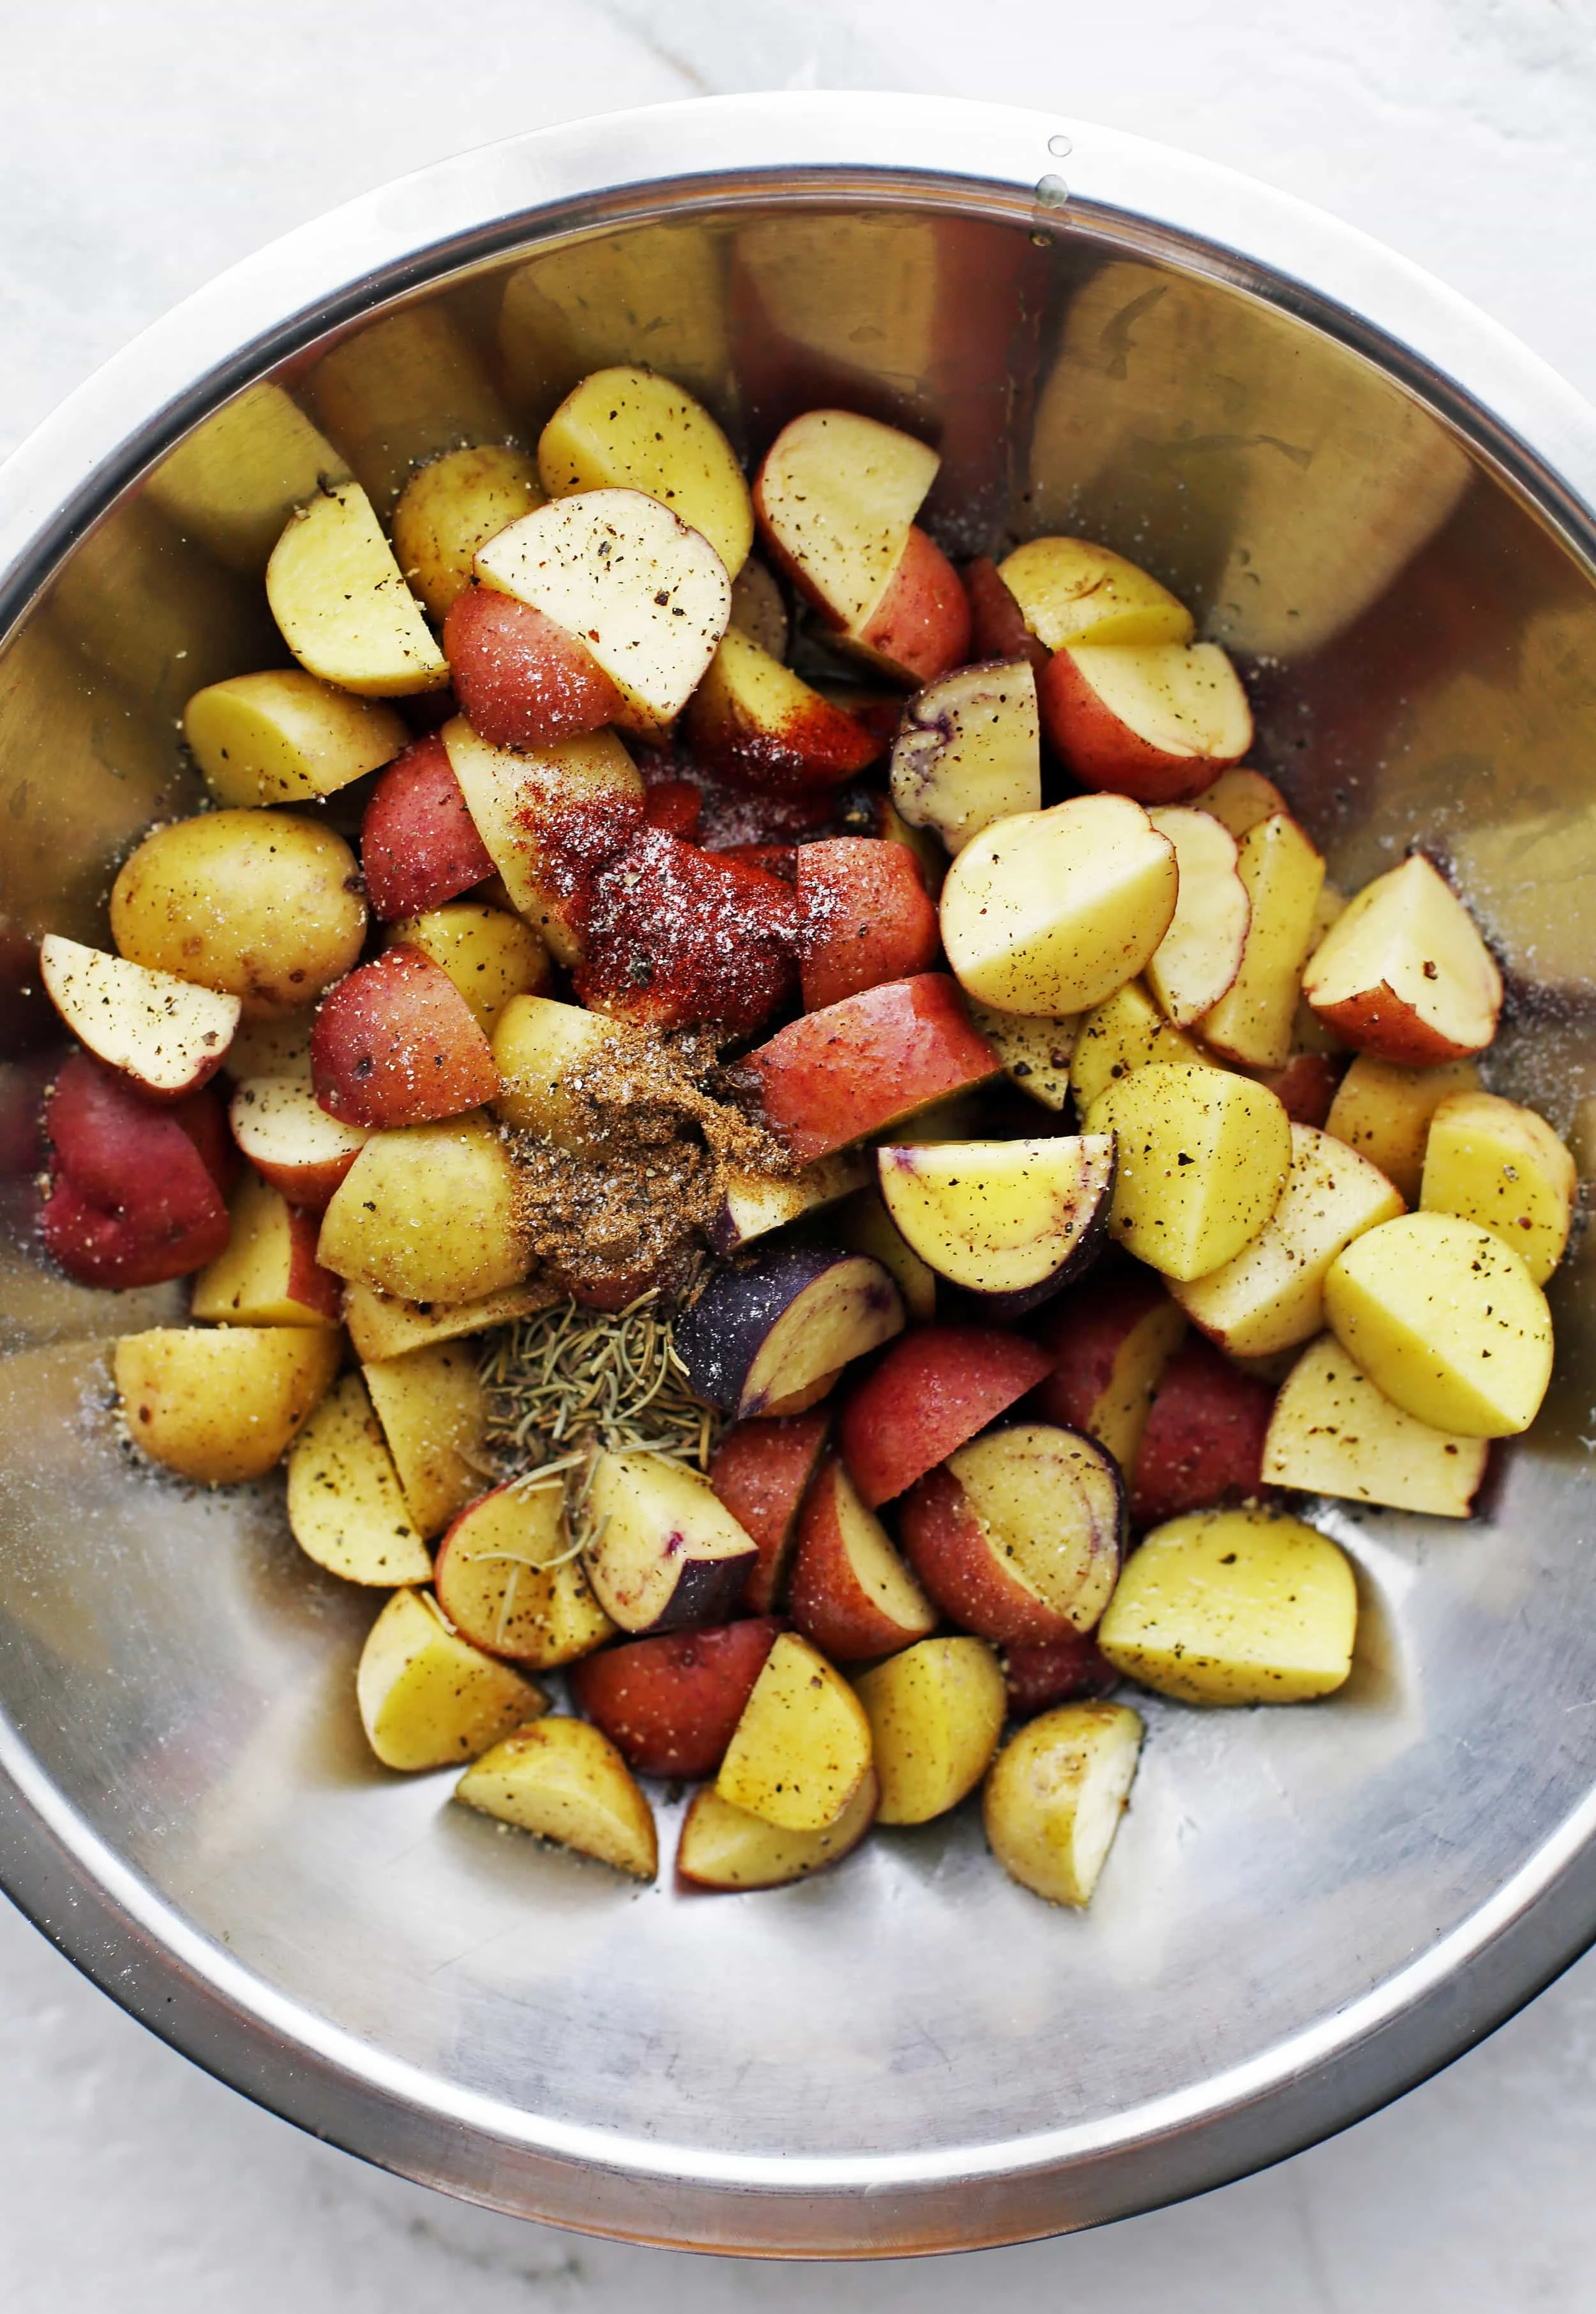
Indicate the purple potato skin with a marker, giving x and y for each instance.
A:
(720, 1337)
(708, 1591)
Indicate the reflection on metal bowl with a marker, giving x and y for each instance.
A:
(1379, 502)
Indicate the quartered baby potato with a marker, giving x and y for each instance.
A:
(819, 1194)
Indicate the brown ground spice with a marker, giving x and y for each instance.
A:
(665, 1131)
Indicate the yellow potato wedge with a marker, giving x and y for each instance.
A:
(565, 1781)
(725, 1848)
(285, 737)
(1055, 1794)
(1052, 910)
(936, 1711)
(1332, 1432)
(632, 429)
(1240, 798)
(514, 797)
(269, 1274)
(1492, 1161)
(969, 751)
(1404, 973)
(221, 1404)
(1233, 1607)
(1271, 1296)
(489, 954)
(1071, 591)
(433, 1413)
(1283, 875)
(1383, 1111)
(1126, 1031)
(341, 604)
(1035, 1050)
(453, 506)
(427, 1699)
(346, 1506)
(1447, 1321)
(385, 1325)
(540, 1047)
(506, 1579)
(428, 1212)
(802, 1747)
(1203, 1158)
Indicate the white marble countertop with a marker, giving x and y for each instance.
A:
(145, 144)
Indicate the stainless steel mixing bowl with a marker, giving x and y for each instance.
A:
(1383, 505)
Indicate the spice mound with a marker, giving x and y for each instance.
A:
(624, 1201)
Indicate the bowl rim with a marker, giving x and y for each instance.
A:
(1512, 410)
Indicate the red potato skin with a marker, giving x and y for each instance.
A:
(829, 1605)
(1102, 752)
(1081, 1338)
(132, 1201)
(203, 1119)
(309, 1186)
(396, 1044)
(997, 623)
(934, 1391)
(920, 628)
(776, 859)
(762, 1470)
(418, 842)
(856, 1067)
(676, 935)
(670, 1704)
(521, 679)
(816, 749)
(309, 1284)
(1379, 1023)
(23, 1084)
(1305, 1087)
(676, 806)
(1038, 1674)
(864, 916)
(946, 1545)
(1204, 1437)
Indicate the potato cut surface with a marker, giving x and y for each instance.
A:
(1034, 1048)
(1240, 798)
(506, 1579)
(666, 1550)
(633, 430)
(384, 1326)
(1055, 1796)
(284, 736)
(1052, 910)
(1491, 1161)
(565, 1781)
(268, 1275)
(1052, 1507)
(838, 493)
(999, 1217)
(1283, 876)
(1332, 1432)
(936, 1712)
(166, 1034)
(341, 604)
(969, 751)
(1071, 591)
(434, 1413)
(1203, 1159)
(1404, 974)
(346, 1506)
(221, 1404)
(1233, 1607)
(1383, 1111)
(802, 1747)
(489, 954)
(1124, 1032)
(724, 1846)
(518, 801)
(1447, 1321)
(1271, 1296)
(429, 1699)
(1200, 955)
(429, 1213)
(453, 506)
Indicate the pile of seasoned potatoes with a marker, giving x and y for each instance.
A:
(1134, 1178)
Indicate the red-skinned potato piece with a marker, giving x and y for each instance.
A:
(521, 679)
(133, 1202)
(676, 935)
(1039, 1673)
(863, 917)
(1108, 1344)
(419, 843)
(753, 721)
(866, 1063)
(933, 1389)
(1204, 1442)
(677, 807)
(396, 1044)
(289, 1137)
(851, 1594)
(997, 623)
(921, 625)
(776, 859)
(761, 1471)
(1157, 722)
(669, 1704)
(1306, 1086)
(1019, 1536)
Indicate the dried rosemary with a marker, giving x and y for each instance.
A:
(567, 1384)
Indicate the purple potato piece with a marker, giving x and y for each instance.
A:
(767, 1330)
(666, 1551)
(943, 1199)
